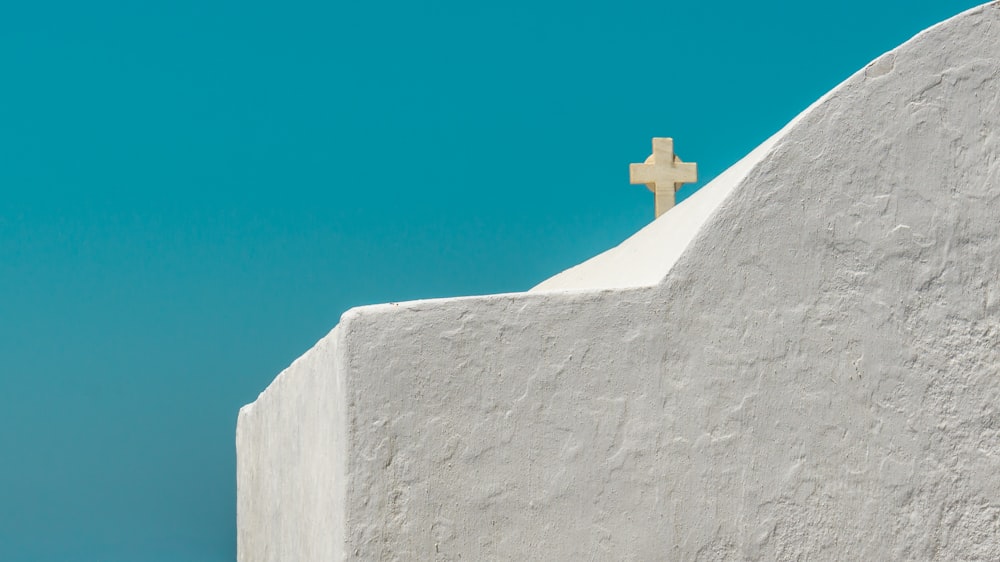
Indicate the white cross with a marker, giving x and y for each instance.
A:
(663, 173)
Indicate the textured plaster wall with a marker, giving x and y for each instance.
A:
(817, 375)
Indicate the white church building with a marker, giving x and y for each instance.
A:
(800, 362)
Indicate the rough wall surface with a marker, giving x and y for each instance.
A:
(817, 376)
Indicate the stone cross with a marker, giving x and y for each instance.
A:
(663, 173)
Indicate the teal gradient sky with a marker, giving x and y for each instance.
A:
(194, 191)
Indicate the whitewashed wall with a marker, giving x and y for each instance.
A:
(814, 372)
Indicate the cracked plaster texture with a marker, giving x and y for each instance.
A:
(800, 362)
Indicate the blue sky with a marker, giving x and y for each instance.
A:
(193, 192)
